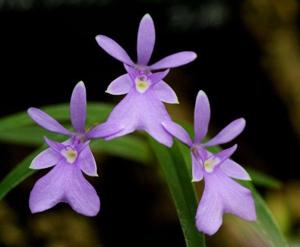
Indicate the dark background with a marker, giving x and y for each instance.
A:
(46, 47)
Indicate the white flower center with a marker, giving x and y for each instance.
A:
(70, 154)
(142, 84)
(210, 164)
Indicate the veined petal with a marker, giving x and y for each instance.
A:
(234, 170)
(165, 93)
(174, 60)
(46, 121)
(113, 49)
(196, 169)
(145, 40)
(81, 195)
(78, 107)
(177, 131)
(120, 86)
(87, 163)
(45, 159)
(201, 116)
(49, 190)
(227, 134)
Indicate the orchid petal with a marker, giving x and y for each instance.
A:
(158, 76)
(46, 121)
(49, 190)
(196, 170)
(56, 146)
(104, 130)
(159, 134)
(177, 131)
(201, 116)
(120, 86)
(145, 40)
(234, 170)
(87, 162)
(165, 93)
(78, 107)
(113, 49)
(45, 159)
(237, 199)
(81, 195)
(223, 195)
(140, 112)
(132, 72)
(225, 154)
(209, 215)
(227, 134)
(174, 60)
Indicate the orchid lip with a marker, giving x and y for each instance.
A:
(70, 154)
(210, 164)
(142, 83)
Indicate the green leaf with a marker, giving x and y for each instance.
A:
(96, 113)
(265, 224)
(179, 182)
(262, 179)
(18, 174)
(128, 147)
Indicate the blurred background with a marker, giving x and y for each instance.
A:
(248, 63)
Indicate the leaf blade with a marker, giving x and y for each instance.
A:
(181, 189)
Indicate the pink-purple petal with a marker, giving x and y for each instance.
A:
(78, 107)
(87, 163)
(165, 93)
(141, 112)
(113, 49)
(177, 131)
(234, 170)
(223, 195)
(45, 159)
(227, 134)
(197, 171)
(49, 190)
(46, 121)
(209, 215)
(236, 199)
(120, 86)
(145, 40)
(225, 154)
(104, 130)
(201, 116)
(81, 195)
(158, 76)
(54, 145)
(174, 60)
(133, 72)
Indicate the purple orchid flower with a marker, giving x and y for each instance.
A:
(65, 182)
(221, 193)
(145, 46)
(142, 108)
